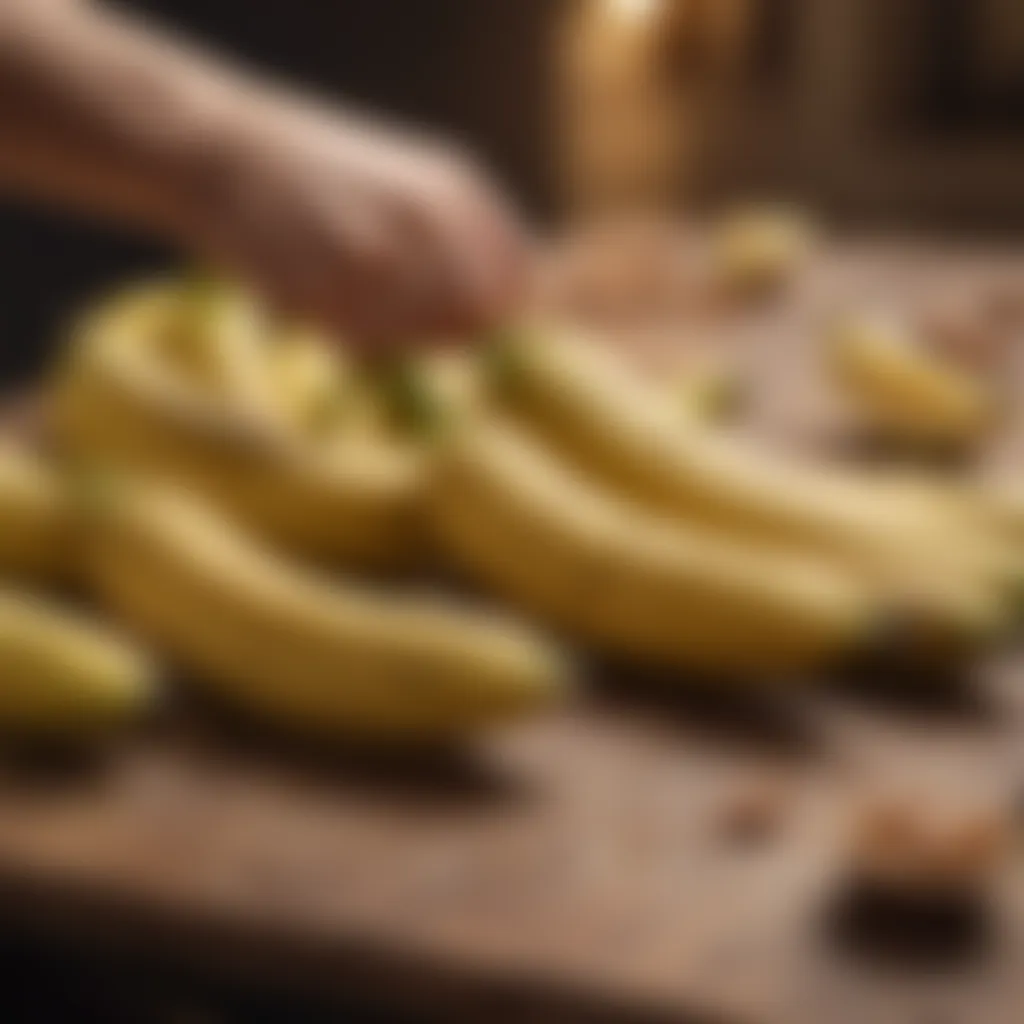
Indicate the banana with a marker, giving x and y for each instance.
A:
(996, 510)
(436, 390)
(215, 335)
(758, 250)
(630, 583)
(64, 677)
(1001, 508)
(115, 403)
(580, 400)
(903, 391)
(456, 377)
(430, 392)
(37, 529)
(313, 382)
(299, 651)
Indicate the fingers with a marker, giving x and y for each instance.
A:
(457, 264)
(386, 241)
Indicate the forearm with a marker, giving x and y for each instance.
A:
(103, 115)
(359, 226)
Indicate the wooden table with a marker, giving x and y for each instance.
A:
(585, 867)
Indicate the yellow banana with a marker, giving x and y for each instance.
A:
(115, 403)
(64, 677)
(302, 652)
(443, 388)
(625, 433)
(664, 592)
(580, 398)
(36, 522)
(312, 380)
(456, 378)
(215, 334)
(996, 511)
(427, 393)
(1001, 508)
(903, 391)
(757, 250)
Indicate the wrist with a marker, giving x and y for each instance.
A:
(197, 160)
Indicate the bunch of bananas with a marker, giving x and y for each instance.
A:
(221, 460)
(231, 452)
(590, 502)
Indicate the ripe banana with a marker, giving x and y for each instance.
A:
(996, 511)
(1001, 507)
(672, 593)
(63, 677)
(313, 383)
(36, 521)
(446, 387)
(580, 400)
(215, 334)
(115, 403)
(758, 250)
(430, 392)
(299, 651)
(905, 392)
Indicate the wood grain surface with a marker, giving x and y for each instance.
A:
(593, 866)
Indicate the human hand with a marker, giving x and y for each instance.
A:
(380, 235)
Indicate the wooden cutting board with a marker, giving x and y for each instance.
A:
(598, 865)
